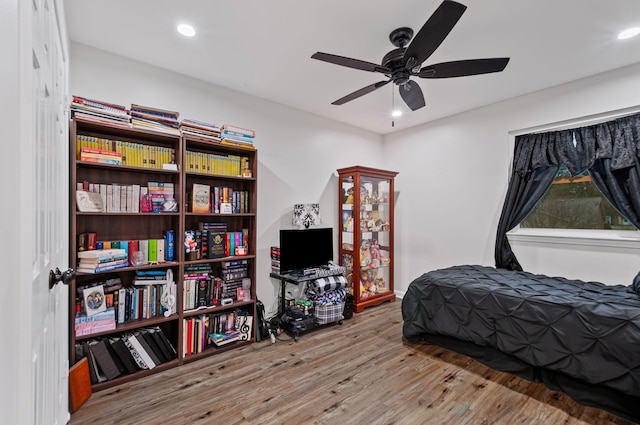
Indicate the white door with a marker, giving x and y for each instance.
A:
(35, 172)
(50, 213)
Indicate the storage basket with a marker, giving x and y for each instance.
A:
(329, 313)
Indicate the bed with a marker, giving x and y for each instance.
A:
(582, 338)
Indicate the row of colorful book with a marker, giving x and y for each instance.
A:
(275, 259)
(100, 306)
(112, 357)
(204, 288)
(160, 120)
(209, 330)
(118, 152)
(101, 256)
(205, 199)
(156, 197)
(209, 163)
(214, 241)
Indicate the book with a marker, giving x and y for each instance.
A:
(124, 354)
(92, 264)
(200, 202)
(160, 245)
(79, 384)
(153, 250)
(99, 253)
(89, 201)
(169, 237)
(227, 337)
(104, 360)
(102, 269)
(94, 301)
(102, 260)
(217, 242)
(137, 352)
(163, 345)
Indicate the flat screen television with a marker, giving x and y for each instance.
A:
(305, 248)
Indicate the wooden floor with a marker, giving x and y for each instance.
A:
(359, 372)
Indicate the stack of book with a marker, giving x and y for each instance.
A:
(161, 120)
(100, 112)
(102, 260)
(200, 288)
(237, 136)
(100, 156)
(222, 328)
(201, 129)
(275, 259)
(232, 273)
(99, 322)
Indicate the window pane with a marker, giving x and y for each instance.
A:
(575, 203)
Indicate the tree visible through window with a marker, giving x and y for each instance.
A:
(575, 203)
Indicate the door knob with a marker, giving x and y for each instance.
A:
(58, 276)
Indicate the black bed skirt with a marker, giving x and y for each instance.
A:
(598, 396)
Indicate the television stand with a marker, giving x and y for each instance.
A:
(293, 278)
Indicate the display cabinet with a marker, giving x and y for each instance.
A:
(366, 236)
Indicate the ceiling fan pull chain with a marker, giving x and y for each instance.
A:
(393, 107)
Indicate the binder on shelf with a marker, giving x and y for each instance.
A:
(104, 360)
(124, 354)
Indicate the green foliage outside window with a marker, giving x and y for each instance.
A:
(575, 203)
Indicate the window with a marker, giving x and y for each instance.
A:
(575, 203)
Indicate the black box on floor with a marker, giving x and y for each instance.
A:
(297, 325)
(348, 306)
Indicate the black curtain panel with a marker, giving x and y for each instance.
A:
(523, 194)
(608, 150)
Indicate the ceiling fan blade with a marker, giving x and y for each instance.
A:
(412, 95)
(356, 94)
(351, 63)
(463, 68)
(433, 33)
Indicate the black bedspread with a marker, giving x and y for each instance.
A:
(548, 329)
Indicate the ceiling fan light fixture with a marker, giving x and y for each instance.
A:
(628, 33)
(396, 113)
(186, 30)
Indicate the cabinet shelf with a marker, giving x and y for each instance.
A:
(217, 308)
(166, 264)
(134, 214)
(137, 375)
(212, 350)
(125, 168)
(130, 325)
(218, 260)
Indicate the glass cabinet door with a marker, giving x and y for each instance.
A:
(374, 236)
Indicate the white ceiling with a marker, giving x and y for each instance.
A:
(263, 47)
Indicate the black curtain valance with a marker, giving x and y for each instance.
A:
(579, 148)
(609, 151)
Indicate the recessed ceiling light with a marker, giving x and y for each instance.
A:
(396, 113)
(628, 33)
(186, 30)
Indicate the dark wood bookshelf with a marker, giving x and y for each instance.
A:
(125, 226)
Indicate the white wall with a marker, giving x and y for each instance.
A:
(454, 174)
(298, 152)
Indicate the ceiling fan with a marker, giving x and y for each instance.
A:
(404, 62)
